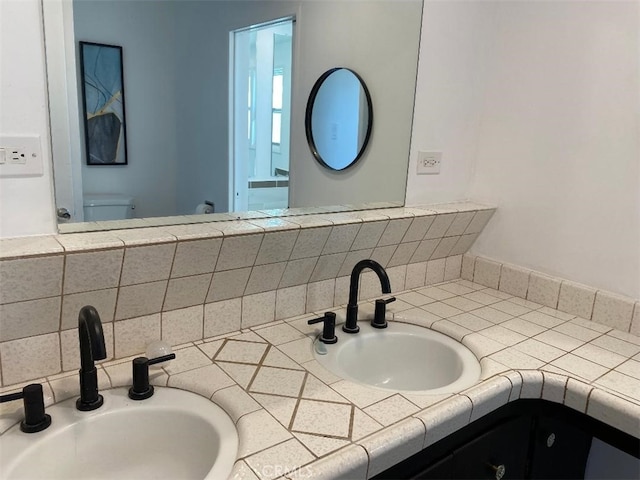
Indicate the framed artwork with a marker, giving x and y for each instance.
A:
(103, 104)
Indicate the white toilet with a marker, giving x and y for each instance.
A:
(107, 207)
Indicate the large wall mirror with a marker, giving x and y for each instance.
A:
(216, 93)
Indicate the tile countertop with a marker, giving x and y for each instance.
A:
(297, 420)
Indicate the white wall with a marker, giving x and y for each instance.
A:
(559, 137)
(145, 31)
(26, 204)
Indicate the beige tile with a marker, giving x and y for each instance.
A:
(470, 321)
(425, 250)
(553, 387)
(444, 418)
(228, 284)
(576, 395)
(186, 291)
(195, 231)
(320, 295)
(513, 358)
(276, 247)
(264, 278)
(488, 396)
(576, 331)
(30, 278)
(89, 241)
(328, 267)
(463, 244)
(559, 340)
(147, 264)
(492, 315)
(132, 336)
(464, 304)
(452, 267)
(235, 402)
(635, 321)
(514, 280)
(503, 335)
(319, 445)
(30, 318)
(139, 300)
(526, 328)
(241, 374)
(630, 368)
(280, 407)
(543, 289)
(440, 225)
(92, 271)
(196, 257)
(298, 272)
(350, 462)
(579, 366)
(592, 325)
(616, 345)
(388, 447)
(279, 334)
(142, 236)
(30, 358)
(621, 383)
(187, 359)
(627, 337)
(360, 395)
(468, 267)
(280, 459)
(480, 345)
(444, 248)
(614, 411)
(290, 302)
(204, 380)
(395, 231)
(613, 310)
(238, 252)
(460, 223)
(442, 309)
(222, 317)
(511, 308)
(183, 325)
(542, 319)
(435, 271)
(103, 300)
(272, 433)
(322, 418)
(576, 299)
(416, 275)
(341, 238)
(487, 272)
(539, 350)
(298, 350)
(29, 246)
(402, 254)
(418, 228)
(369, 235)
(258, 309)
(479, 221)
(391, 410)
(310, 242)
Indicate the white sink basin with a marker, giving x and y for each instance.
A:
(401, 357)
(174, 434)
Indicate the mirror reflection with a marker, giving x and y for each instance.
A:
(339, 118)
(216, 96)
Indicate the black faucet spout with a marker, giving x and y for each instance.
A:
(351, 324)
(92, 348)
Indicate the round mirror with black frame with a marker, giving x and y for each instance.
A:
(339, 118)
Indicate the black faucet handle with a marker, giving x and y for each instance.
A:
(141, 388)
(35, 420)
(329, 328)
(380, 314)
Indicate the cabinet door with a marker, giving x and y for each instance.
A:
(441, 470)
(500, 453)
(560, 450)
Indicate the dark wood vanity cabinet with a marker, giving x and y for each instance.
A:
(529, 439)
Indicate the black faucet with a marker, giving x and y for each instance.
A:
(351, 325)
(92, 348)
(35, 420)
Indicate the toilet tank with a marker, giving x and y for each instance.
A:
(107, 207)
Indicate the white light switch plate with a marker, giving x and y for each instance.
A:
(20, 156)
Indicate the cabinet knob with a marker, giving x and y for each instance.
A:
(551, 439)
(499, 470)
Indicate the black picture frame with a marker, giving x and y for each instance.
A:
(103, 104)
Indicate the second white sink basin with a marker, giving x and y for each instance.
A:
(174, 434)
(401, 357)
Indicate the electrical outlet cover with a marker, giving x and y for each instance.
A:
(22, 156)
(429, 163)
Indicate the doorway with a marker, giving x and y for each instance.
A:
(260, 96)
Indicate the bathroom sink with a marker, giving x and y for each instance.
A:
(401, 357)
(174, 434)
